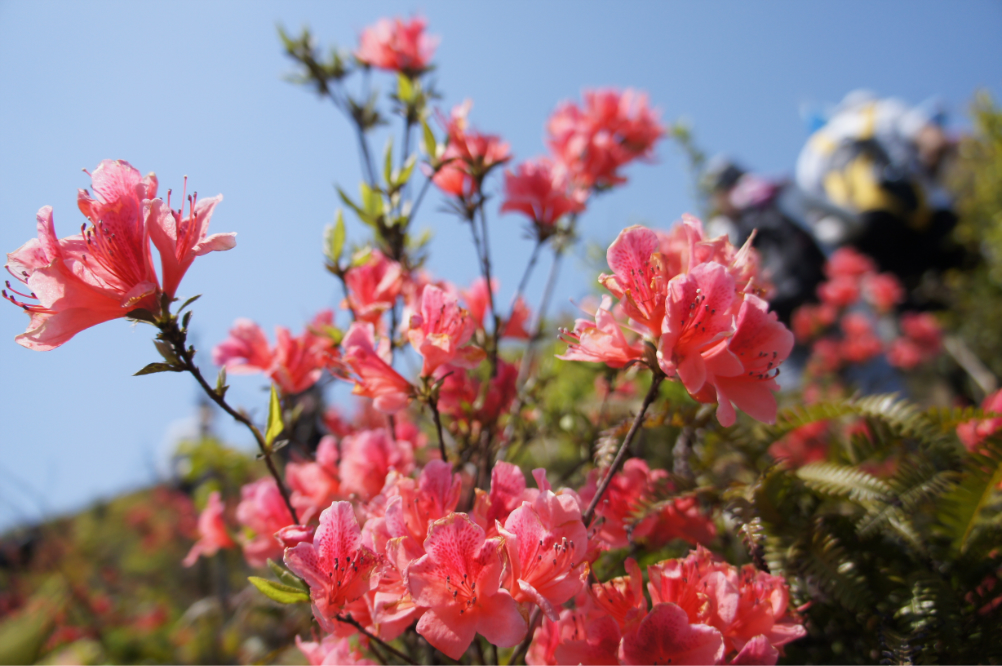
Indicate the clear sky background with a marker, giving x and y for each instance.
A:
(197, 88)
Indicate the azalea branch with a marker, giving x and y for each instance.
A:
(623, 448)
(433, 405)
(523, 647)
(490, 292)
(349, 620)
(533, 258)
(177, 338)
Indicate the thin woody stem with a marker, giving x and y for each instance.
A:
(623, 448)
(433, 405)
(490, 291)
(177, 339)
(375, 639)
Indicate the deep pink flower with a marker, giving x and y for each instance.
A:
(622, 501)
(469, 155)
(506, 493)
(680, 518)
(638, 278)
(860, 342)
(331, 650)
(883, 291)
(546, 542)
(373, 288)
(761, 343)
(246, 351)
(460, 391)
(973, 432)
(367, 457)
(849, 262)
(611, 130)
(100, 274)
(458, 580)
(811, 320)
(602, 341)
(921, 340)
(439, 331)
(263, 511)
(211, 530)
(414, 504)
(180, 239)
(840, 291)
(623, 597)
(374, 377)
(397, 46)
(666, 637)
(804, 445)
(478, 301)
(542, 194)
(578, 637)
(336, 565)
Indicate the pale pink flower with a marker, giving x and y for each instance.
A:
(336, 565)
(602, 341)
(542, 194)
(666, 637)
(367, 457)
(397, 46)
(211, 530)
(100, 274)
(374, 377)
(264, 512)
(180, 239)
(331, 651)
(439, 331)
(546, 542)
(458, 581)
(373, 288)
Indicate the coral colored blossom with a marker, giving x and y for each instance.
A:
(373, 288)
(975, 431)
(841, 291)
(542, 194)
(577, 637)
(460, 391)
(458, 581)
(860, 342)
(848, 262)
(367, 457)
(469, 155)
(623, 597)
(264, 512)
(397, 46)
(336, 565)
(331, 650)
(666, 637)
(439, 331)
(601, 341)
(804, 445)
(478, 301)
(638, 280)
(811, 320)
(374, 377)
(315, 485)
(622, 502)
(883, 291)
(212, 531)
(102, 273)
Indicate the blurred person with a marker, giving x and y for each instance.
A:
(871, 178)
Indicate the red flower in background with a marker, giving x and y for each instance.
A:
(397, 46)
(542, 193)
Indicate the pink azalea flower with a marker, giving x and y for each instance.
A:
(623, 597)
(100, 274)
(849, 262)
(367, 457)
(393, 607)
(698, 317)
(860, 342)
(336, 565)
(638, 276)
(922, 340)
(757, 651)
(975, 431)
(374, 377)
(666, 637)
(883, 291)
(373, 288)
(802, 446)
(542, 194)
(810, 320)
(439, 331)
(263, 511)
(397, 46)
(840, 291)
(507, 492)
(180, 239)
(331, 651)
(680, 518)
(294, 363)
(469, 155)
(760, 342)
(315, 485)
(478, 302)
(458, 580)
(546, 542)
(595, 141)
(622, 501)
(412, 506)
(212, 531)
(577, 637)
(602, 341)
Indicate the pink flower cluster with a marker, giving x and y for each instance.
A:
(703, 612)
(588, 146)
(853, 293)
(694, 314)
(973, 432)
(469, 156)
(106, 271)
(397, 46)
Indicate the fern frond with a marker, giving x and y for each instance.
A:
(977, 484)
(828, 563)
(844, 482)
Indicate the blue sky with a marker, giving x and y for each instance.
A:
(197, 88)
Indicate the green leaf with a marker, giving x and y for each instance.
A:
(962, 505)
(372, 200)
(362, 215)
(156, 367)
(843, 481)
(334, 238)
(283, 594)
(275, 425)
(405, 89)
(185, 319)
(388, 162)
(287, 577)
(405, 174)
(188, 302)
(166, 351)
(221, 386)
(430, 145)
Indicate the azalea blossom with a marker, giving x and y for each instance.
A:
(366, 458)
(973, 432)
(439, 331)
(336, 565)
(542, 193)
(638, 279)
(212, 531)
(102, 273)
(331, 650)
(372, 288)
(577, 637)
(315, 485)
(397, 46)
(601, 341)
(666, 637)
(263, 511)
(374, 377)
(458, 581)
(469, 156)
(478, 301)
